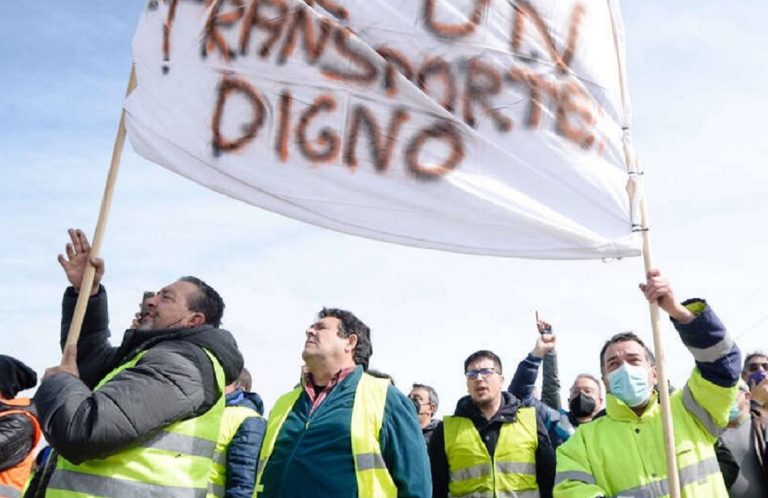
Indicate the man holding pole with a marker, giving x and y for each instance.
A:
(621, 454)
(140, 419)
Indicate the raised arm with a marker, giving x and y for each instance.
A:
(524, 380)
(711, 389)
(95, 353)
(550, 385)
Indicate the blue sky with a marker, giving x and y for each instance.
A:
(697, 82)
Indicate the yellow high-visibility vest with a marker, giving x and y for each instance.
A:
(373, 479)
(623, 453)
(510, 472)
(174, 463)
(233, 417)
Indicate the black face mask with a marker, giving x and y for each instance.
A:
(582, 406)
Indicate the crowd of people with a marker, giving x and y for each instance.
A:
(170, 413)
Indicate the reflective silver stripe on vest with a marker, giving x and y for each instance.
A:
(531, 493)
(574, 475)
(118, 488)
(483, 469)
(260, 465)
(477, 494)
(654, 489)
(700, 413)
(220, 458)
(473, 472)
(9, 491)
(713, 353)
(698, 472)
(181, 443)
(368, 461)
(216, 489)
(516, 468)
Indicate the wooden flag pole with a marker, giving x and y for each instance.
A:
(673, 478)
(106, 201)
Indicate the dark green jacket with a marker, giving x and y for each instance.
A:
(313, 453)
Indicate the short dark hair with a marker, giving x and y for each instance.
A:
(626, 337)
(244, 380)
(433, 399)
(751, 355)
(483, 353)
(207, 301)
(349, 324)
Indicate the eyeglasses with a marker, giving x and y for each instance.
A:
(485, 372)
(754, 367)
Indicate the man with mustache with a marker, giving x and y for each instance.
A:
(140, 419)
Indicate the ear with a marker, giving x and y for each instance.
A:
(653, 378)
(352, 341)
(196, 319)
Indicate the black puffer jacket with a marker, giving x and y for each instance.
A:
(17, 436)
(173, 381)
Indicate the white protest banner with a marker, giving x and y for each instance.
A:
(492, 127)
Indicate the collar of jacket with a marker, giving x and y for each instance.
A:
(15, 403)
(507, 411)
(431, 425)
(618, 410)
(238, 397)
(343, 384)
(218, 342)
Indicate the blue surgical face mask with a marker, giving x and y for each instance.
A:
(630, 384)
(735, 412)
